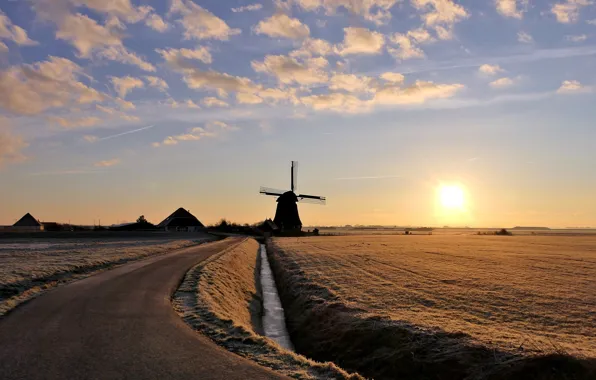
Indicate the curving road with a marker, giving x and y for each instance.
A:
(118, 325)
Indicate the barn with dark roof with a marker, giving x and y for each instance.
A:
(181, 220)
(27, 224)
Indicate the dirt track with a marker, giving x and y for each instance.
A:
(116, 325)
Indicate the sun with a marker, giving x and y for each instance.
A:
(451, 196)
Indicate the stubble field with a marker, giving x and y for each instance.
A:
(447, 298)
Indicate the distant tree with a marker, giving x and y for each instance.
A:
(141, 219)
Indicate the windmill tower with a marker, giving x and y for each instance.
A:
(286, 215)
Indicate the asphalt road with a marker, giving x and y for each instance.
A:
(118, 325)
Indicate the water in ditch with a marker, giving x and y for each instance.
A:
(274, 322)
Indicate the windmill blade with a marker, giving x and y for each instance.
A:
(270, 191)
(311, 196)
(316, 201)
(294, 176)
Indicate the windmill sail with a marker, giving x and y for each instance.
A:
(294, 176)
(270, 191)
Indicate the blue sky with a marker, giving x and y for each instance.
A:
(112, 109)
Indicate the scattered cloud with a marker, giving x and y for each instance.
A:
(406, 48)
(577, 38)
(350, 83)
(490, 69)
(417, 93)
(31, 89)
(392, 77)
(440, 15)
(246, 98)
(572, 86)
(248, 8)
(502, 83)
(77, 122)
(190, 104)
(121, 54)
(124, 85)
(281, 25)
(211, 101)
(567, 12)
(211, 129)
(288, 70)
(157, 23)
(90, 138)
(509, 8)
(175, 57)
(312, 47)
(199, 23)
(377, 11)
(361, 41)
(14, 33)
(525, 38)
(107, 163)
(156, 82)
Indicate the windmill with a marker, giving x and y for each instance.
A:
(286, 215)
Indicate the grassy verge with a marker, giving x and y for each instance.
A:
(27, 273)
(325, 328)
(220, 298)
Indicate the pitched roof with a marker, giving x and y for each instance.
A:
(179, 218)
(27, 221)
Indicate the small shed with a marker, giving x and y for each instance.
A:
(181, 220)
(27, 224)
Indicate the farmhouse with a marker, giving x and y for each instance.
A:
(181, 220)
(27, 224)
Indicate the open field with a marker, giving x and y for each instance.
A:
(379, 304)
(30, 265)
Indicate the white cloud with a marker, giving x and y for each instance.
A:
(3, 47)
(406, 48)
(377, 11)
(591, 22)
(337, 102)
(124, 104)
(156, 82)
(121, 54)
(509, 8)
(246, 98)
(312, 47)
(220, 82)
(248, 8)
(361, 41)
(568, 11)
(417, 93)
(572, 86)
(420, 35)
(578, 38)
(288, 70)
(525, 38)
(31, 89)
(280, 25)
(351, 83)
(212, 129)
(190, 104)
(157, 23)
(14, 33)
(85, 34)
(107, 163)
(175, 56)
(124, 85)
(118, 8)
(199, 23)
(78, 122)
(490, 69)
(436, 12)
(108, 110)
(502, 82)
(392, 77)
(211, 101)
(90, 138)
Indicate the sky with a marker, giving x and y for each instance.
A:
(110, 109)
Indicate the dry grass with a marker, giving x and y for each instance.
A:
(221, 299)
(442, 306)
(30, 266)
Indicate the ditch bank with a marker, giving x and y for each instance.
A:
(222, 299)
(324, 328)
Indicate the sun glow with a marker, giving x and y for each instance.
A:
(451, 197)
